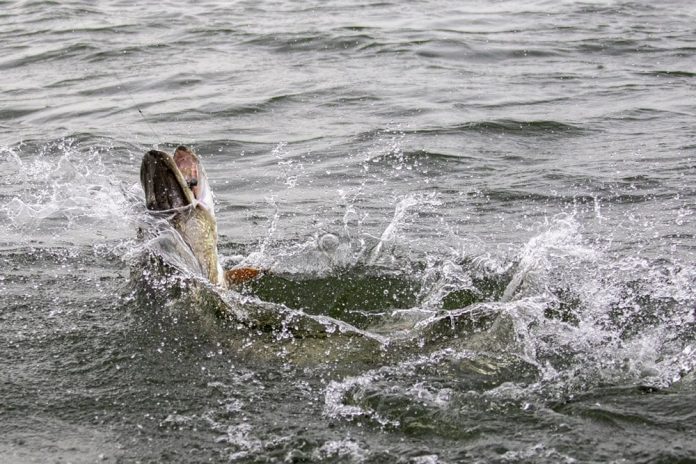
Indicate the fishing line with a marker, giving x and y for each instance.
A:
(142, 115)
(130, 96)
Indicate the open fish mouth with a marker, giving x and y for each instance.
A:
(174, 182)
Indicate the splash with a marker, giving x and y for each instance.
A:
(578, 314)
(567, 318)
(558, 247)
(348, 246)
(62, 191)
(389, 236)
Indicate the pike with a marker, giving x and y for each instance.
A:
(178, 186)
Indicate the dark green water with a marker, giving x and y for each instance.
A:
(477, 218)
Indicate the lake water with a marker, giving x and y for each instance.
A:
(482, 211)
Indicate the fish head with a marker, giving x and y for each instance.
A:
(178, 186)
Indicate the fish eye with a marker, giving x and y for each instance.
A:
(192, 183)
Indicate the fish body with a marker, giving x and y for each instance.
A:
(198, 228)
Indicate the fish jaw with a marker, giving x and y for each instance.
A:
(164, 186)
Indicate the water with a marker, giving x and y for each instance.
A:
(477, 218)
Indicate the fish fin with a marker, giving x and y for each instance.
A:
(241, 275)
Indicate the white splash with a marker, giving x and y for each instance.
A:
(62, 191)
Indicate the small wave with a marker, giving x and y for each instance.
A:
(321, 42)
(499, 126)
(152, 50)
(267, 104)
(16, 113)
(65, 52)
(458, 50)
(531, 128)
(506, 102)
(673, 73)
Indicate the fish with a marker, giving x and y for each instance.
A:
(177, 187)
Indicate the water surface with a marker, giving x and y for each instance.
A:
(477, 218)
